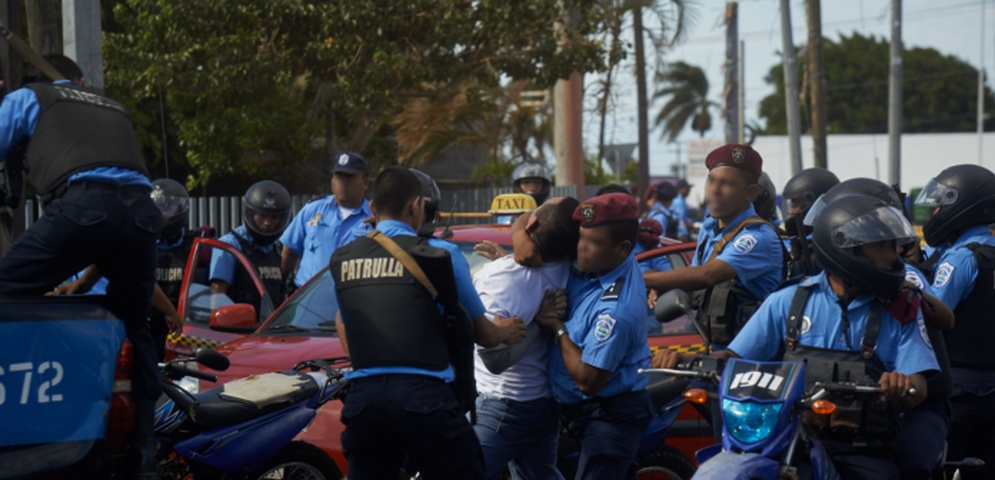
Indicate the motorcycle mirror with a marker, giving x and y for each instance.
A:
(672, 305)
(211, 359)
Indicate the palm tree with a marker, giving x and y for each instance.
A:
(686, 86)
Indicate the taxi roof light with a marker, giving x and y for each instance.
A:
(512, 204)
(696, 395)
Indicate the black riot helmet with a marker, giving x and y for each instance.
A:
(766, 201)
(268, 199)
(848, 222)
(173, 201)
(431, 194)
(963, 196)
(533, 169)
(800, 193)
(855, 186)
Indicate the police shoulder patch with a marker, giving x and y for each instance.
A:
(923, 332)
(912, 277)
(745, 243)
(943, 273)
(614, 290)
(603, 327)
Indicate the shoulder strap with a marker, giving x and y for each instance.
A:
(394, 249)
(796, 312)
(870, 342)
(247, 246)
(731, 234)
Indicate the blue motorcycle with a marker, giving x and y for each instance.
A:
(245, 428)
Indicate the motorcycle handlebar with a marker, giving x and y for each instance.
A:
(851, 388)
(177, 370)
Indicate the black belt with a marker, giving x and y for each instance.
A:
(591, 404)
(109, 187)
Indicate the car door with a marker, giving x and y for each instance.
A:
(199, 300)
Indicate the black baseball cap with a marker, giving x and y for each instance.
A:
(350, 163)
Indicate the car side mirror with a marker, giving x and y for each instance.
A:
(672, 305)
(212, 359)
(236, 318)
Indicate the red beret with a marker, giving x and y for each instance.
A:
(605, 209)
(739, 156)
(652, 226)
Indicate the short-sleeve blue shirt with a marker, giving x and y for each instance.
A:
(755, 254)
(664, 215)
(902, 348)
(606, 318)
(223, 264)
(660, 263)
(465, 290)
(317, 232)
(957, 269)
(680, 207)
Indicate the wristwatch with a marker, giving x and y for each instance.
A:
(559, 333)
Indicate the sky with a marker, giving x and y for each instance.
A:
(950, 26)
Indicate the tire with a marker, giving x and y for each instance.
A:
(299, 461)
(665, 463)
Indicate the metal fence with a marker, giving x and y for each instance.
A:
(225, 213)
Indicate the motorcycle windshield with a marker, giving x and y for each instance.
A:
(761, 381)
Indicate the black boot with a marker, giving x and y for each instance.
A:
(144, 447)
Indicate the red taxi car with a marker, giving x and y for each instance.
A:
(304, 327)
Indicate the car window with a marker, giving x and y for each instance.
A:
(475, 261)
(312, 309)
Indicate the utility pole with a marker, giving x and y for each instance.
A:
(895, 97)
(568, 98)
(791, 88)
(981, 90)
(82, 39)
(731, 91)
(741, 121)
(817, 81)
(644, 151)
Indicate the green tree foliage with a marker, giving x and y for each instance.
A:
(939, 91)
(686, 89)
(254, 86)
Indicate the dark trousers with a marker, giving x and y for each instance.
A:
(611, 436)
(918, 445)
(391, 419)
(972, 426)
(114, 228)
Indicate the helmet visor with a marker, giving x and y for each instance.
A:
(266, 222)
(797, 204)
(814, 211)
(936, 194)
(170, 205)
(879, 225)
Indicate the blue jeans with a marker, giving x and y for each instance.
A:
(611, 436)
(522, 435)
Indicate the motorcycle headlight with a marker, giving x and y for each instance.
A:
(750, 422)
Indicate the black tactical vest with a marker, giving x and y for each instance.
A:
(169, 269)
(390, 318)
(77, 131)
(267, 265)
(974, 333)
(865, 416)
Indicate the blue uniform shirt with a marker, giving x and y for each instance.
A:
(19, 118)
(663, 215)
(902, 348)
(956, 271)
(468, 298)
(223, 264)
(317, 232)
(755, 254)
(680, 207)
(606, 319)
(660, 262)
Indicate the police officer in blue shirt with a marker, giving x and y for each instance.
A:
(399, 403)
(595, 355)
(266, 211)
(661, 211)
(323, 225)
(84, 161)
(739, 259)
(838, 313)
(799, 194)
(680, 205)
(963, 202)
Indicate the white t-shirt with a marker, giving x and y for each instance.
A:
(345, 212)
(511, 290)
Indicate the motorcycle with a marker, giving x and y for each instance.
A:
(245, 428)
(763, 407)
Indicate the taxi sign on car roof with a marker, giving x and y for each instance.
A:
(512, 204)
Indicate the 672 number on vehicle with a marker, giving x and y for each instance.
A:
(51, 372)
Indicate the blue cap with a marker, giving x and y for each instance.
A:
(350, 163)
